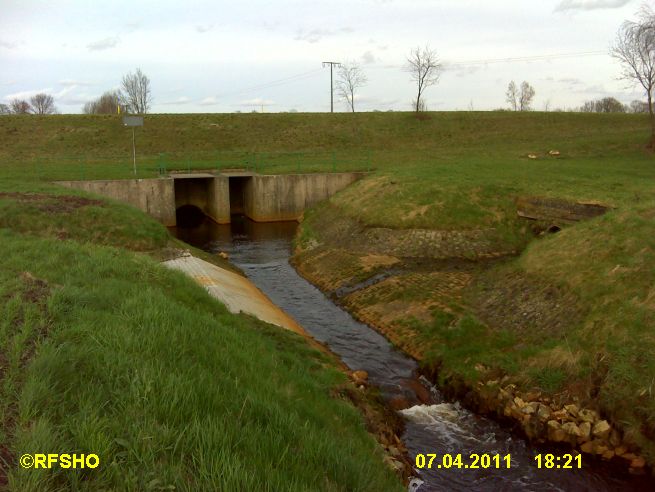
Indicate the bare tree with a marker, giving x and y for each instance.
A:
(108, 103)
(635, 49)
(350, 78)
(136, 92)
(20, 106)
(43, 104)
(547, 106)
(638, 107)
(604, 105)
(526, 97)
(588, 107)
(425, 69)
(4, 109)
(512, 96)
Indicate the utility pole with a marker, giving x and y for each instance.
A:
(332, 64)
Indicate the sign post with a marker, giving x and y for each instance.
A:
(133, 121)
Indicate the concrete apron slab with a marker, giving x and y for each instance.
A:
(236, 292)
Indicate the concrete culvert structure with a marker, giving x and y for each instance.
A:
(189, 216)
(262, 198)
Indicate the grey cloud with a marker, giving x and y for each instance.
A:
(466, 71)
(316, 35)
(570, 81)
(103, 44)
(7, 44)
(132, 26)
(75, 99)
(74, 83)
(590, 4)
(179, 100)
(368, 58)
(204, 28)
(209, 101)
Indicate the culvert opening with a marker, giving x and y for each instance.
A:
(189, 216)
(238, 194)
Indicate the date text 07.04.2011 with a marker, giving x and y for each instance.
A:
(472, 461)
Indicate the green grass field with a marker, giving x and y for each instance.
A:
(104, 351)
(447, 171)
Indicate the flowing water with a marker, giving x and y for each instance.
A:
(433, 425)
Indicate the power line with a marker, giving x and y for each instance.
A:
(504, 60)
(273, 83)
(525, 58)
(332, 64)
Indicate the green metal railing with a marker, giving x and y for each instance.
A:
(149, 166)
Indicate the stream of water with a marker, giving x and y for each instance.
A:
(433, 425)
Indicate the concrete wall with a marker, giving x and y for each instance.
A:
(219, 200)
(156, 197)
(286, 196)
(266, 198)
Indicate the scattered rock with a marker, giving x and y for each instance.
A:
(572, 410)
(395, 465)
(394, 451)
(608, 455)
(223, 255)
(620, 450)
(587, 415)
(587, 447)
(601, 429)
(532, 156)
(359, 377)
(555, 432)
(554, 153)
(585, 429)
(543, 413)
(530, 408)
(638, 462)
(615, 438)
(572, 429)
(600, 447)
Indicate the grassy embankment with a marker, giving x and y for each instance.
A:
(104, 351)
(571, 316)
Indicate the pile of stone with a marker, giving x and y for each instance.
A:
(544, 421)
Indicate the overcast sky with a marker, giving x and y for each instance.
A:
(226, 56)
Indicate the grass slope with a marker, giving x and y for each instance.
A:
(104, 351)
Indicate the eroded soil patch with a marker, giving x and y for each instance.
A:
(53, 203)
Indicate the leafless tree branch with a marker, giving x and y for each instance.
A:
(20, 106)
(43, 104)
(136, 92)
(351, 78)
(106, 104)
(425, 69)
(635, 49)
